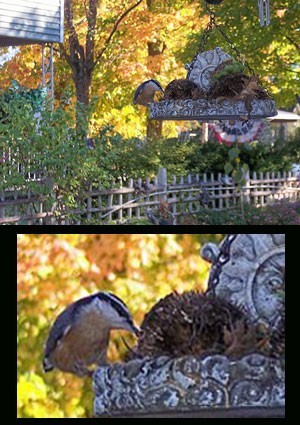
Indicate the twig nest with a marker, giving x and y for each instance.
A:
(194, 324)
(183, 89)
(237, 86)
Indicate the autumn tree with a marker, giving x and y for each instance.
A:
(162, 39)
(82, 49)
(150, 38)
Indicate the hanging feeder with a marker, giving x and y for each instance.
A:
(216, 88)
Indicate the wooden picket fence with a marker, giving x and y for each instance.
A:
(184, 195)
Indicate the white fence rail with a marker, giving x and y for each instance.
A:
(184, 195)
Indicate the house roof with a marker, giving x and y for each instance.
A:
(31, 22)
(285, 116)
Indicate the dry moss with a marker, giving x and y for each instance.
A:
(183, 89)
(237, 86)
(194, 324)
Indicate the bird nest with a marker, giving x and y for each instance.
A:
(195, 324)
(215, 88)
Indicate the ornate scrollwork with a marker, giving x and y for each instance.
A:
(248, 270)
(202, 66)
(188, 382)
(210, 109)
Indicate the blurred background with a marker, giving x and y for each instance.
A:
(55, 270)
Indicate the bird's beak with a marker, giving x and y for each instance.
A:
(136, 330)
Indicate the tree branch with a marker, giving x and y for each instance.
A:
(114, 29)
(293, 42)
(91, 14)
(75, 48)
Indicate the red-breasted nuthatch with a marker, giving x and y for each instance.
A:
(79, 336)
(145, 92)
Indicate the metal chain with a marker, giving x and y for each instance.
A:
(240, 57)
(205, 36)
(213, 24)
(220, 261)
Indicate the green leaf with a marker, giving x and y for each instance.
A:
(233, 153)
(238, 175)
(228, 168)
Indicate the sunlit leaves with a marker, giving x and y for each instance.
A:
(33, 400)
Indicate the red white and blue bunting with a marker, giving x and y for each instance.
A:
(230, 131)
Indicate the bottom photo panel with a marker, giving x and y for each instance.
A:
(150, 325)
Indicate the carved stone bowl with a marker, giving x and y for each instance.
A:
(204, 110)
(188, 383)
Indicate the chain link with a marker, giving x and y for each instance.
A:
(205, 36)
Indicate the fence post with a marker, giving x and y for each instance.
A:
(247, 188)
(50, 205)
(162, 181)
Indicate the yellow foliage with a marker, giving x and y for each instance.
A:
(30, 387)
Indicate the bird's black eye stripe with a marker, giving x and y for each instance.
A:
(116, 303)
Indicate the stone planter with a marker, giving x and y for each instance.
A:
(200, 72)
(248, 270)
(207, 110)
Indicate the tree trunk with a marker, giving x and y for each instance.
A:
(154, 128)
(82, 86)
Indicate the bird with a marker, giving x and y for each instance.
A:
(145, 92)
(79, 336)
(159, 220)
(152, 217)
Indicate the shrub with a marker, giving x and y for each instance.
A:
(230, 216)
(47, 148)
(280, 213)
